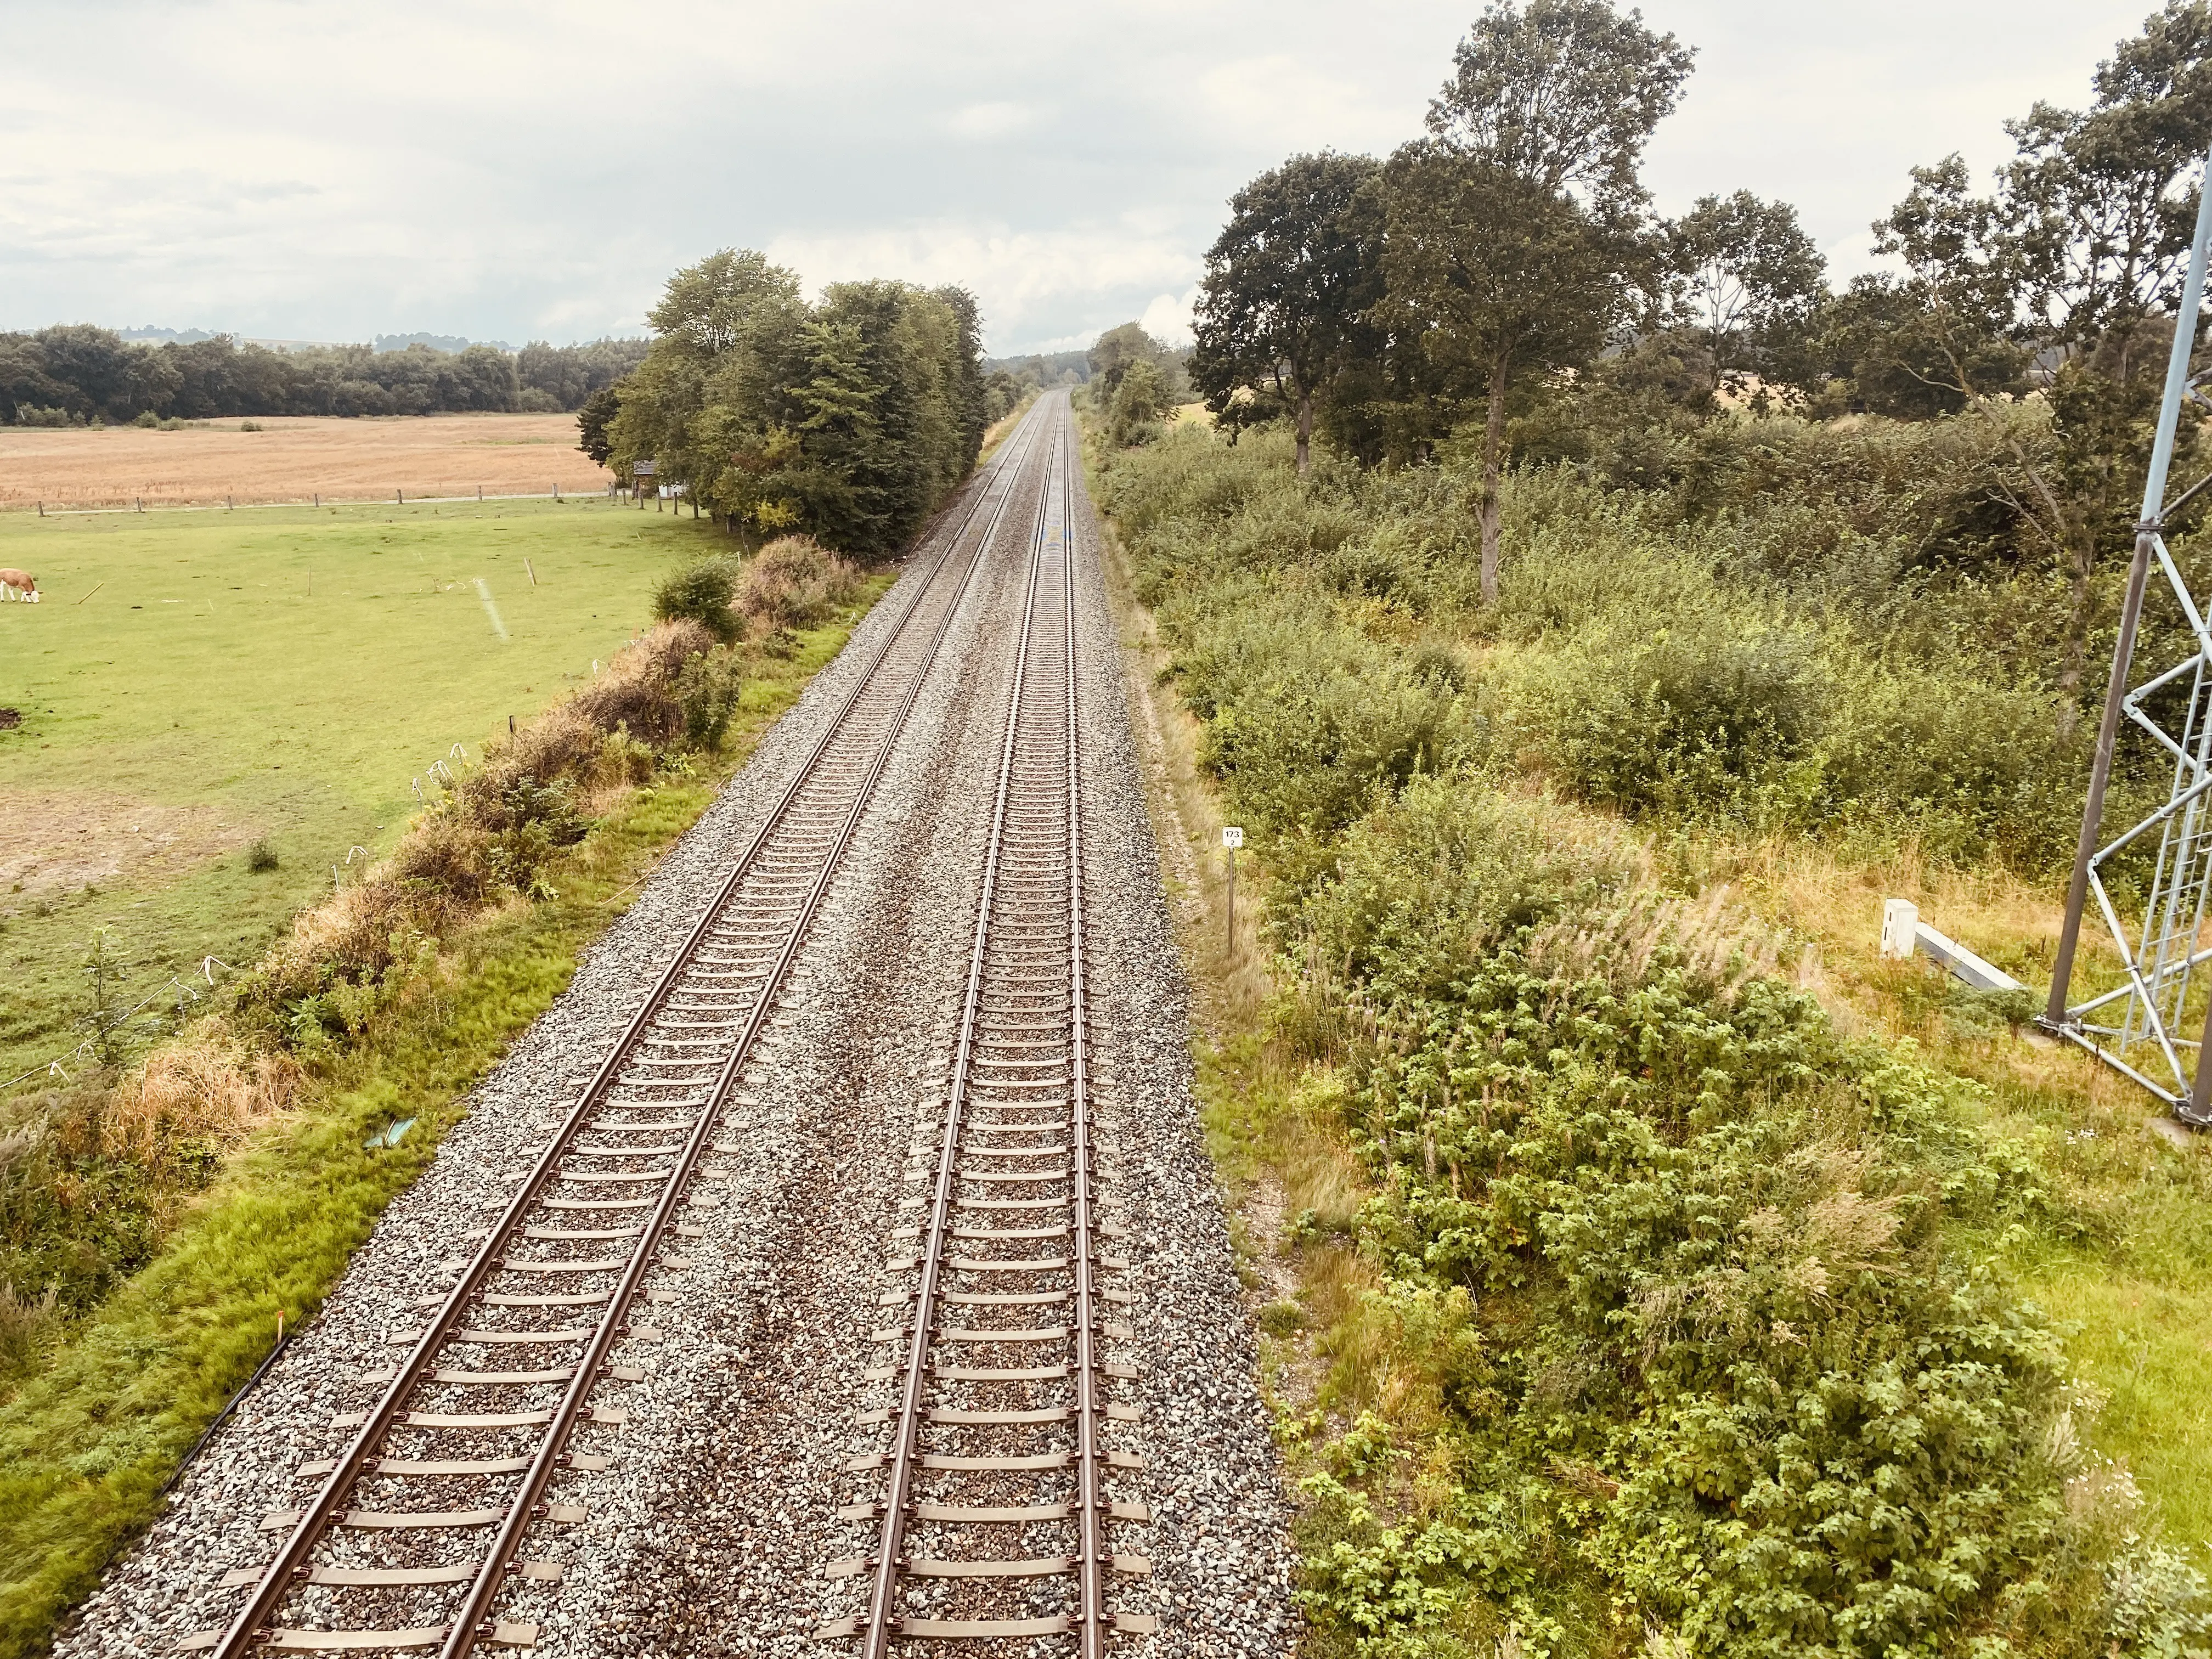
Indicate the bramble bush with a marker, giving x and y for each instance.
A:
(1731, 1362)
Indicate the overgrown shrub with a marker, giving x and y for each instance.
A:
(700, 594)
(1769, 648)
(1139, 403)
(1733, 1343)
(1681, 1338)
(707, 688)
(1702, 711)
(793, 583)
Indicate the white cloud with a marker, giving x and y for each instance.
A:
(1168, 317)
(990, 120)
(1023, 279)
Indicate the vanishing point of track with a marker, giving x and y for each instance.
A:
(996, 1473)
(458, 1454)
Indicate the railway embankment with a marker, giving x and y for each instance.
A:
(1595, 1183)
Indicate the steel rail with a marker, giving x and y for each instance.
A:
(280, 1576)
(1093, 1562)
(882, 1619)
(1015, 961)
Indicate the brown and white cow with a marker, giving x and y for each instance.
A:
(18, 584)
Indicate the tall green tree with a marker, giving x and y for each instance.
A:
(1288, 281)
(1497, 278)
(1562, 95)
(851, 419)
(1124, 345)
(1514, 235)
(1749, 284)
(725, 348)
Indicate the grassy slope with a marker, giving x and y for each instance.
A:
(85, 1446)
(2120, 1267)
(2130, 1284)
(201, 670)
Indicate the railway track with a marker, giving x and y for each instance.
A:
(423, 1521)
(993, 1486)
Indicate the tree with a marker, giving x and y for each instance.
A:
(850, 419)
(1138, 404)
(2071, 268)
(1885, 353)
(1127, 344)
(1748, 284)
(1287, 281)
(1498, 278)
(1563, 96)
(1513, 236)
(593, 420)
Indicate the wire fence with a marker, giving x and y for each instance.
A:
(399, 498)
(110, 1026)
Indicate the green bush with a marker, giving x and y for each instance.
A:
(707, 688)
(1693, 1289)
(1704, 711)
(1721, 1236)
(1138, 404)
(1775, 654)
(702, 594)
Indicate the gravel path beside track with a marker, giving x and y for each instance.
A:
(710, 1532)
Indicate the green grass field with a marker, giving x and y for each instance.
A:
(192, 684)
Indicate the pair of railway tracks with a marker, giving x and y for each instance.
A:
(995, 1474)
(419, 1528)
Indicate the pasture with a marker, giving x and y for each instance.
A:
(293, 458)
(195, 684)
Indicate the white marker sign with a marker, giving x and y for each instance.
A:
(1231, 836)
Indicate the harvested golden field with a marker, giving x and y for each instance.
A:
(295, 459)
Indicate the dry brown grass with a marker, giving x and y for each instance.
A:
(793, 582)
(1835, 902)
(293, 459)
(205, 1086)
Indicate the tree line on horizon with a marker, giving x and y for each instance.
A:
(76, 374)
(1502, 284)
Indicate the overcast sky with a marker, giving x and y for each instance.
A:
(313, 171)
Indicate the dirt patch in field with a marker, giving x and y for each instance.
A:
(59, 841)
(369, 459)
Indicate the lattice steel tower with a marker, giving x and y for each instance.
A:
(2136, 1028)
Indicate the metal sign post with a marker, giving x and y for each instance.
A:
(1232, 837)
(2160, 956)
